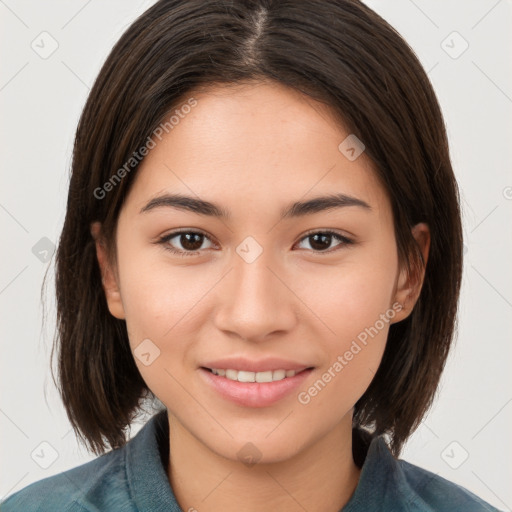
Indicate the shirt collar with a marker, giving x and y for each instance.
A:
(146, 468)
(380, 481)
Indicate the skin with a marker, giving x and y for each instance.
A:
(254, 149)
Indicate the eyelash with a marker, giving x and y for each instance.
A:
(164, 241)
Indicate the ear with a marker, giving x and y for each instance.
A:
(108, 275)
(408, 287)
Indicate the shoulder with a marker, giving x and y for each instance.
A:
(71, 490)
(387, 483)
(425, 490)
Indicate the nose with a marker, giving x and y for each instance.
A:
(256, 300)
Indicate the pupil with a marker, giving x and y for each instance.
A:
(326, 239)
(188, 243)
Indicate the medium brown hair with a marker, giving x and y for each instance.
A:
(338, 52)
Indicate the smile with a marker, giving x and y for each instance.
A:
(254, 389)
(244, 376)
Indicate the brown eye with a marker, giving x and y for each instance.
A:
(191, 241)
(186, 243)
(321, 241)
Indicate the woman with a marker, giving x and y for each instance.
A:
(263, 235)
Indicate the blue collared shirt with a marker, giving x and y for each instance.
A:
(133, 479)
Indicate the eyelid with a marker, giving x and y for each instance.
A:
(340, 233)
(177, 231)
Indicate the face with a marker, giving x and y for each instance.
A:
(317, 288)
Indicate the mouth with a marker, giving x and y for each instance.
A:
(256, 377)
(254, 389)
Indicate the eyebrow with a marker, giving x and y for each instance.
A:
(296, 209)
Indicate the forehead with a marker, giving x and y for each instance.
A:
(258, 146)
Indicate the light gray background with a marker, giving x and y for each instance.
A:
(41, 100)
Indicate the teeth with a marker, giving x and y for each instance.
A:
(242, 376)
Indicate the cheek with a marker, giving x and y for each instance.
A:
(349, 297)
(353, 302)
(353, 347)
(160, 303)
(158, 297)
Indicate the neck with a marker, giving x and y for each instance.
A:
(322, 476)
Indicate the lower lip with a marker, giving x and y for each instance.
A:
(254, 394)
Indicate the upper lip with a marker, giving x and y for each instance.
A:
(261, 365)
